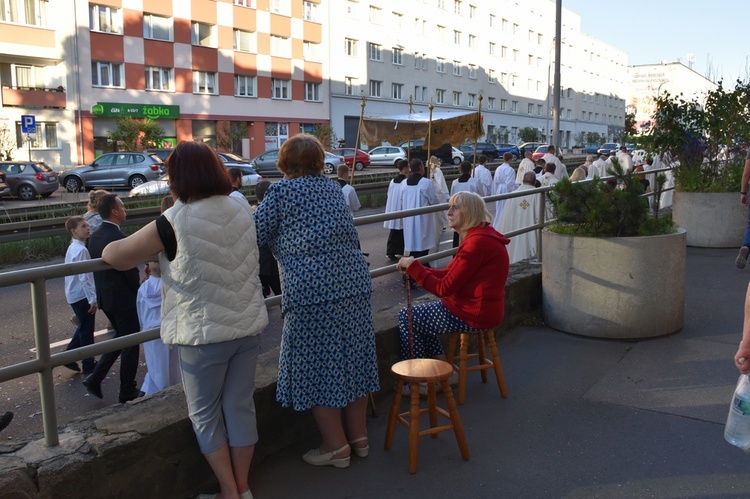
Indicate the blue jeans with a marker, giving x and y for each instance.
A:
(746, 241)
(84, 334)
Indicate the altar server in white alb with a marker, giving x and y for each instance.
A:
(518, 213)
(419, 230)
(503, 182)
(394, 248)
(441, 189)
(484, 176)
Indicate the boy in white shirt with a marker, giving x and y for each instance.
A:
(162, 360)
(80, 292)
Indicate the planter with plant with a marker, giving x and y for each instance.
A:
(707, 139)
(609, 269)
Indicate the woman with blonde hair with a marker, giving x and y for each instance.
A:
(471, 288)
(327, 361)
(92, 216)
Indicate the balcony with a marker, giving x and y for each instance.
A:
(30, 97)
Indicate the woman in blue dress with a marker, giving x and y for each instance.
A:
(327, 362)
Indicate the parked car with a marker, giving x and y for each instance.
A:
(4, 189)
(531, 146)
(363, 159)
(27, 179)
(540, 152)
(231, 160)
(114, 169)
(386, 155)
(162, 153)
(265, 163)
(489, 150)
(608, 147)
(468, 152)
(511, 148)
(332, 162)
(445, 153)
(160, 186)
(590, 148)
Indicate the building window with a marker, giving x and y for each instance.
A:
(312, 92)
(472, 11)
(539, 109)
(349, 85)
(530, 108)
(539, 39)
(492, 48)
(441, 4)
(398, 56)
(504, 52)
(107, 74)
(440, 65)
(397, 90)
(398, 20)
(472, 41)
(529, 84)
(311, 51)
(281, 46)
(242, 3)
(204, 82)
(376, 15)
(440, 96)
(515, 55)
(244, 41)
(503, 104)
(375, 87)
(420, 93)
(281, 89)
(491, 103)
(375, 52)
(492, 20)
(245, 86)
(351, 7)
(350, 47)
(159, 78)
(491, 76)
(457, 7)
(472, 71)
(281, 7)
(417, 60)
(568, 114)
(531, 60)
(456, 37)
(472, 100)
(310, 11)
(203, 34)
(456, 98)
(456, 68)
(514, 106)
(157, 27)
(101, 18)
(45, 137)
(515, 28)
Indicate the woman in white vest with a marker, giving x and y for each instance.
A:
(212, 307)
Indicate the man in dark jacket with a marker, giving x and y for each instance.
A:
(116, 292)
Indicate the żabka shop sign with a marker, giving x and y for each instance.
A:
(119, 110)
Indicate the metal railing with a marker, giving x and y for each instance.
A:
(37, 277)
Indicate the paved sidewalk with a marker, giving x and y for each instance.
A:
(584, 417)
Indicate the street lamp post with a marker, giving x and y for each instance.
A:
(556, 99)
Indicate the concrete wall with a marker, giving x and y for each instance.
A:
(146, 448)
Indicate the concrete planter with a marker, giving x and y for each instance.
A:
(615, 288)
(712, 219)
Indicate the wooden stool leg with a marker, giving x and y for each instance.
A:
(414, 427)
(498, 366)
(432, 406)
(393, 415)
(455, 420)
(451, 354)
(481, 356)
(463, 367)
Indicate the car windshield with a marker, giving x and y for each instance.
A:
(232, 157)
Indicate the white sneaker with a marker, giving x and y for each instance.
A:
(742, 257)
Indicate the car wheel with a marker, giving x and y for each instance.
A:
(456, 160)
(328, 168)
(136, 180)
(359, 166)
(73, 184)
(515, 157)
(26, 192)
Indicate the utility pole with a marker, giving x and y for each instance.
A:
(556, 99)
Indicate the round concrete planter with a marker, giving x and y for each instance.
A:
(616, 288)
(712, 219)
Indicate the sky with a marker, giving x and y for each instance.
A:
(717, 33)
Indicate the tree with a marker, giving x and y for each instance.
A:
(594, 138)
(136, 134)
(630, 129)
(325, 134)
(580, 138)
(230, 136)
(528, 134)
(7, 144)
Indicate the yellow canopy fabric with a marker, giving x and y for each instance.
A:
(451, 127)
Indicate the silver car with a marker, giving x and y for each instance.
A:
(115, 169)
(29, 179)
(333, 162)
(386, 155)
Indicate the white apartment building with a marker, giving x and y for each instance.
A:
(449, 52)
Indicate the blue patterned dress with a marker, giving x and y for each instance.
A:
(328, 343)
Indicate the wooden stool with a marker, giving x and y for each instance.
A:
(428, 371)
(484, 363)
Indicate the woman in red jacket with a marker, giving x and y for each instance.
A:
(471, 288)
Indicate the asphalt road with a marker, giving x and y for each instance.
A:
(17, 341)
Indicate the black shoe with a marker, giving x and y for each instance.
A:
(73, 366)
(392, 258)
(5, 420)
(89, 370)
(126, 397)
(94, 387)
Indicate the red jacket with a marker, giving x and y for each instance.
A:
(472, 286)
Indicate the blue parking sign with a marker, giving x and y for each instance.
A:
(28, 123)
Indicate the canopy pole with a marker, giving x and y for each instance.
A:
(356, 142)
(476, 133)
(428, 139)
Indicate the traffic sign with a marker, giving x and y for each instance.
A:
(28, 123)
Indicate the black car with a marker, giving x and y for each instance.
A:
(489, 150)
(444, 152)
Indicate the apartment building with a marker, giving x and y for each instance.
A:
(406, 55)
(199, 67)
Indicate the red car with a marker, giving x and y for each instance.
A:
(540, 152)
(363, 159)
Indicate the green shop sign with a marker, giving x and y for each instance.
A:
(119, 110)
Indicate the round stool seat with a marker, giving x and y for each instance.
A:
(422, 370)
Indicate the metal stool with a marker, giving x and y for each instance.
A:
(414, 372)
(484, 363)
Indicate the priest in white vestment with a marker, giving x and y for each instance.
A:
(561, 171)
(599, 168)
(527, 165)
(503, 182)
(419, 230)
(519, 213)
